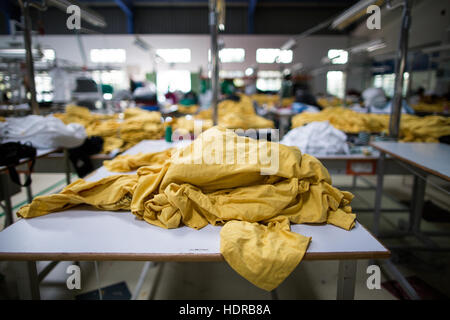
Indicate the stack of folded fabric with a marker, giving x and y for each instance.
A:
(255, 200)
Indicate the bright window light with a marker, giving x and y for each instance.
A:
(49, 54)
(116, 78)
(249, 72)
(231, 74)
(108, 55)
(227, 55)
(175, 55)
(173, 80)
(338, 56)
(336, 83)
(273, 56)
(269, 74)
(44, 87)
(266, 84)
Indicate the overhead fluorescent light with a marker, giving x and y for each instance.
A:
(353, 13)
(8, 53)
(86, 14)
(288, 45)
(368, 46)
(141, 44)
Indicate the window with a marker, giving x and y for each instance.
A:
(49, 54)
(338, 56)
(108, 55)
(44, 87)
(387, 83)
(336, 83)
(115, 78)
(175, 55)
(230, 74)
(268, 80)
(227, 55)
(273, 56)
(173, 80)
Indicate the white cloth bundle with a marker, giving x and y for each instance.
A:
(317, 138)
(42, 132)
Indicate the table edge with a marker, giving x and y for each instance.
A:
(415, 164)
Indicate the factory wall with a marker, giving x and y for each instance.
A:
(309, 51)
(429, 26)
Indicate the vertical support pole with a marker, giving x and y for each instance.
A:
(29, 56)
(214, 58)
(27, 280)
(145, 268)
(400, 65)
(346, 280)
(378, 194)
(67, 166)
(7, 197)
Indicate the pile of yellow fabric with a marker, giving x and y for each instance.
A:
(430, 107)
(138, 125)
(330, 102)
(222, 179)
(412, 128)
(271, 100)
(188, 109)
(232, 115)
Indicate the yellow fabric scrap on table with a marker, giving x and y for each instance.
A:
(412, 128)
(138, 125)
(253, 199)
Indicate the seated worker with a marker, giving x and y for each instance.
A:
(189, 98)
(376, 101)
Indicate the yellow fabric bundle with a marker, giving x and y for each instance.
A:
(188, 109)
(231, 115)
(222, 179)
(138, 125)
(412, 128)
(271, 100)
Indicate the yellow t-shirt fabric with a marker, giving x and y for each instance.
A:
(254, 200)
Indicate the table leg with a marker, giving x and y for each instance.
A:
(67, 166)
(144, 272)
(29, 193)
(346, 280)
(7, 197)
(402, 280)
(418, 198)
(378, 194)
(27, 280)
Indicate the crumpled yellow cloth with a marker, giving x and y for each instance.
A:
(412, 128)
(231, 115)
(254, 198)
(138, 125)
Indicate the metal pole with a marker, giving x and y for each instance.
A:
(29, 56)
(346, 280)
(400, 65)
(214, 58)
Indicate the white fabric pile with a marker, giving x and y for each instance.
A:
(317, 138)
(42, 132)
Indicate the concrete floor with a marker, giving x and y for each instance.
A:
(311, 279)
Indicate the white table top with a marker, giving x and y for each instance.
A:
(84, 233)
(430, 157)
(87, 234)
